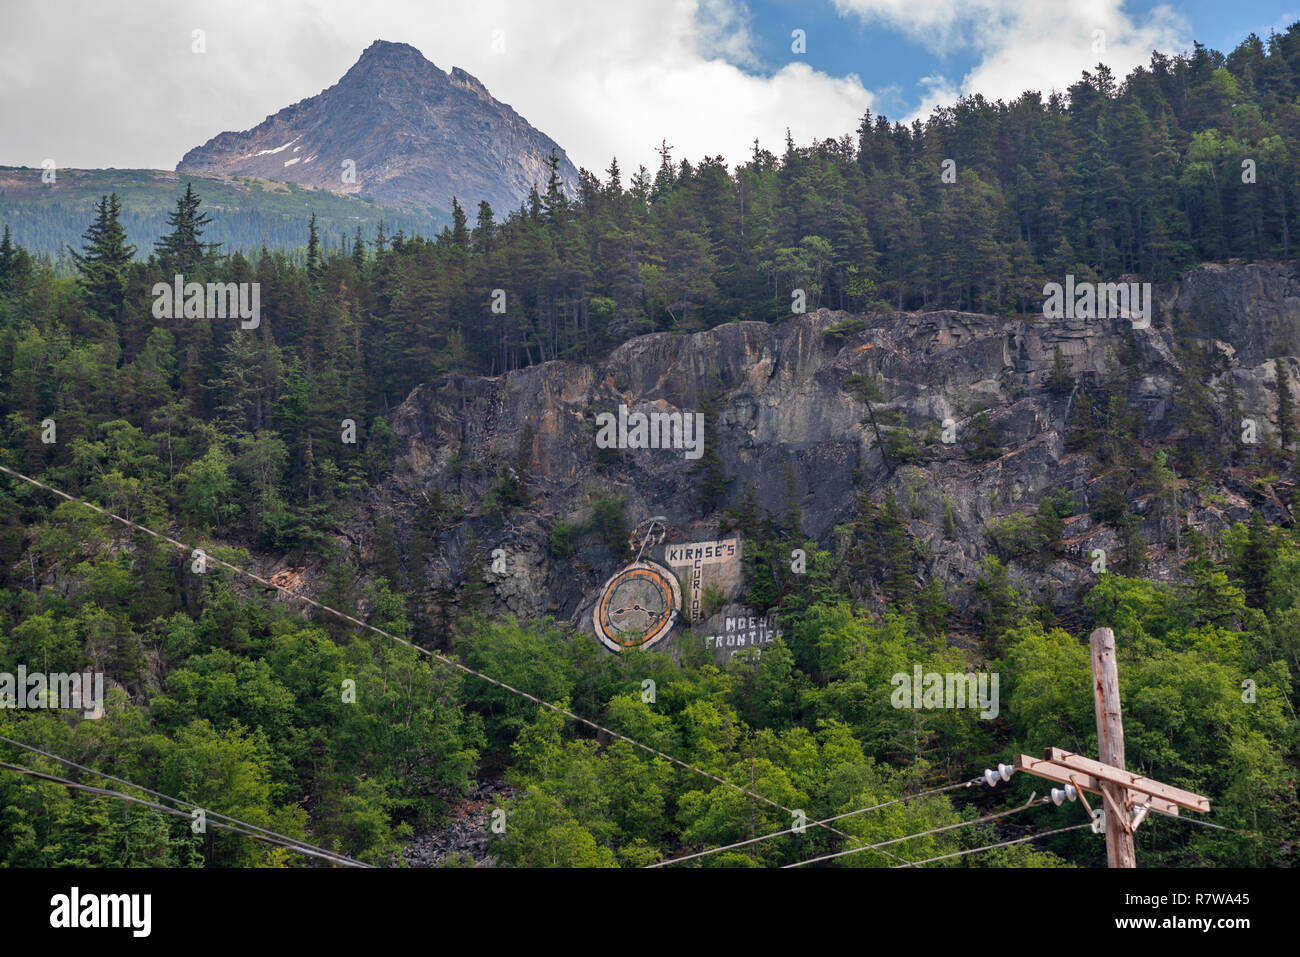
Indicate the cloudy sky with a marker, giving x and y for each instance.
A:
(100, 83)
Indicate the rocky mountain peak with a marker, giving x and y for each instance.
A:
(389, 51)
(468, 82)
(385, 61)
(398, 131)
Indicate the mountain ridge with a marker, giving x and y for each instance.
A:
(398, 131)
(247, 213)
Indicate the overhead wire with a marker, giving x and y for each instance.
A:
(989, 847)
(303, 847)
(1074, 827)
(309, 851)
(1232, 830)
(837, 817)
(1032, 802)
(450, 662)
(284, 839)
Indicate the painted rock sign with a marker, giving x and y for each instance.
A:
(699, 564)
(736, 628)
(637, 607)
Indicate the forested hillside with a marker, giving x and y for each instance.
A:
(225, 694)
(46, 218)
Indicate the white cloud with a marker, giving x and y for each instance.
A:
(723, 31)
(936, 91)
(93, 84)
(1040, 45)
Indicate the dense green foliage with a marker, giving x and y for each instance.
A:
(218, 434)
(47, 218)
(240, 706)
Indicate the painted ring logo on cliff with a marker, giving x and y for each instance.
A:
(637, 606)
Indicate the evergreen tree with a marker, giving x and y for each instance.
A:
(1083, 424)
(182, 250)
(459, 226)
(981, 440)
(865, 388)
(1257, 560)
(900, 582)
(105, 260)
(932, 609)
(1060, 381)
(314, 266)
(1132, 543)
(471, 596)
(384, 558)
(359, 252)
(1164, 486)
(1285, 406)
(997, 605)
(1048, 524)
(15, 266)
(484, 229)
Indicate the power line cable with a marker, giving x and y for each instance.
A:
(176, 812)
(936, 830)
(284, 839)
(1075, 827)
(989, 847)
(1230, 830)
(837, 817)
(450, 662)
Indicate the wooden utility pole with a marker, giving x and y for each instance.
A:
(1110, 746)
(1126, 797)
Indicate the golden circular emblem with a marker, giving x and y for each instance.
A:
(637, 607)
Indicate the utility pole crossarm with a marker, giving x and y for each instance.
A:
(1133, 782)
(1061, 774)
(1126, 797)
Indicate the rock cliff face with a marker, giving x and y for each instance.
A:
(415, 136)
(780, 406)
